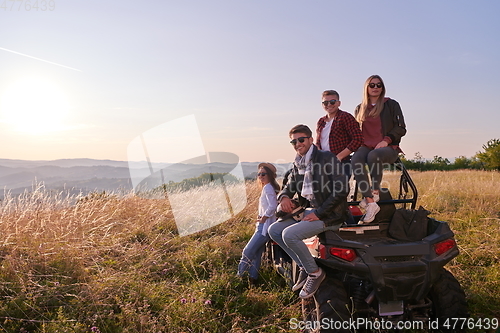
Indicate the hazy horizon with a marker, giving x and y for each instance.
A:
(451, 159)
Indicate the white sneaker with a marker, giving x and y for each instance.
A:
(371, 210)
(363, 202)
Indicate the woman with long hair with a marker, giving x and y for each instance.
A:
(382, 125)
(252, 253)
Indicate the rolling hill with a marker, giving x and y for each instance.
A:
(87, 175)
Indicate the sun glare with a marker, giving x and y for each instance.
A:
(34, 105)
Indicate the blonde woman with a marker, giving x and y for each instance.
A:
(382, 125)
(252, 253)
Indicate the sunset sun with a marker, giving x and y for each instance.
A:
(34, 105)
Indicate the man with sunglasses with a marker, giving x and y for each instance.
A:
(338, 131)
(318, 179)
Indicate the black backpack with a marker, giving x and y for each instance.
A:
(409, 224)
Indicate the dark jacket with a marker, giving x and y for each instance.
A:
(330, 187)
(393, 122)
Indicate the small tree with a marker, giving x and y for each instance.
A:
(462, 162)
(417, 163)
(440, 163)
(490, 158)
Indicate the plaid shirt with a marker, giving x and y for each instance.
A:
(345, 133)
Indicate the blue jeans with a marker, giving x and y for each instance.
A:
(289, 234)
(252, 253)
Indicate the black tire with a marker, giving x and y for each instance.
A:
(448, 301)
(327, 306)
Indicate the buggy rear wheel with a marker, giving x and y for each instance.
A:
(328, 308)
(448, 301)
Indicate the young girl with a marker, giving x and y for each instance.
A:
(252, 253)
(382, 126)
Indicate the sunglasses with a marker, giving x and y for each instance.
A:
(332, 102)
(262, 174)
(301, 140)
(378, 85)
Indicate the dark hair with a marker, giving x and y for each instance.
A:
(331, 92)
(300, 129)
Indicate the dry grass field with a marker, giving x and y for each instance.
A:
(109, 263)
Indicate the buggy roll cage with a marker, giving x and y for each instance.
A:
(406, 188)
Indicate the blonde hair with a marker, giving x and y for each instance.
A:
(330, 92)
(377, 109)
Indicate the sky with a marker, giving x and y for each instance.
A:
(85, 79)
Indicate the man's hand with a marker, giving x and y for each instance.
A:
(286, 204)
(343, 154)
(310, 217)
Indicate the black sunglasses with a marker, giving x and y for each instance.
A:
(332, 102)
(301, 140)
(262, 174)
(378, 85)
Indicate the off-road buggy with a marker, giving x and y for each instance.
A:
(382, 276)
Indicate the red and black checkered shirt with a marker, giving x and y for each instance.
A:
(345, 133)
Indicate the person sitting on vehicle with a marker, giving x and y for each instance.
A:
(318, 179)
(252, 253)
(338, 131)
(382, 125)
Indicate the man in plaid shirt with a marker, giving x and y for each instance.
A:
(338, 131)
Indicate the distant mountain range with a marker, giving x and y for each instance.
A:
(87, 175)
(67, 163)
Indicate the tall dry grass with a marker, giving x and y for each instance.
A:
(115, 263)
(470, 202)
